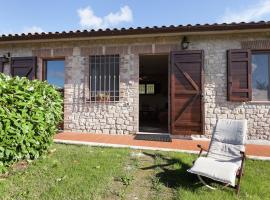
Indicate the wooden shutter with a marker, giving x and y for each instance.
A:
(24, 67)
(239, 75)
(1, 64)
(186, 92)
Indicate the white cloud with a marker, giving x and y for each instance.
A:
(124, 15)
(88, 19)
(252, 13)
(32, 29)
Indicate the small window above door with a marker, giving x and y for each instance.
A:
(54, 72)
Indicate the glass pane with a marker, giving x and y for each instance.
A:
(260, 77)
(150, 88)
(56, 73)
(142, 88)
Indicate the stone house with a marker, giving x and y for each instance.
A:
(176, 79)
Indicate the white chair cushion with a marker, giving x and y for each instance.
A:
(217, 170)
(226, 152)
(230, 131)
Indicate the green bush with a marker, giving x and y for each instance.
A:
(30, 112)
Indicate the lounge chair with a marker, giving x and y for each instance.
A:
(224, 161)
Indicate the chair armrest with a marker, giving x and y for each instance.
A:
(201, 149)
(243, 154)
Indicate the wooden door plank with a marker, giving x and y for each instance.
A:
(188, 78)
(186, 65)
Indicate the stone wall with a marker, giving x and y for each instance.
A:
(215, 86)
(115, 117)
(122, 117)
(101, 117)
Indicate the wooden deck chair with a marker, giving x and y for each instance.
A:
(224, 161)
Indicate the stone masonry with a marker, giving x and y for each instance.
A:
(122, 117)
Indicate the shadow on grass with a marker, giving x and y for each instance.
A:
(171, 177)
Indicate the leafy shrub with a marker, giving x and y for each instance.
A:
(30, 112)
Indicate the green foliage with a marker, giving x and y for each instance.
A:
(127, 179)
(30, 112)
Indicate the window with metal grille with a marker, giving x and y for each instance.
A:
(104, 78)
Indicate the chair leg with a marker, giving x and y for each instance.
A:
(203, 182)
(226, 185)
(238, 189)
(241, 172)
(238, 182)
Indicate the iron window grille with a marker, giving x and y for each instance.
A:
(104, 78)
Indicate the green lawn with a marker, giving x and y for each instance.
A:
(82, 172)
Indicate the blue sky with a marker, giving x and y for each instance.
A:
(19, 16)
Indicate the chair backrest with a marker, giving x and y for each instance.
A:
(228, 140)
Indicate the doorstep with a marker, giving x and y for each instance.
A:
(127, 141)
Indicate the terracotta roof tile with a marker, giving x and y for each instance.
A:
(138, 30)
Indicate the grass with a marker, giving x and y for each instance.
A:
(83, 172)
(71, 172)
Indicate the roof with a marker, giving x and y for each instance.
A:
(139, 30)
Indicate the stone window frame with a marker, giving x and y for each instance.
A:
(43, 64)
(44, 67)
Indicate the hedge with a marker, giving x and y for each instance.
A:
(30, 112)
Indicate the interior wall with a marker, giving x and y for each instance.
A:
(161, 98)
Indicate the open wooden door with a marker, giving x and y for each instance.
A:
(186, 92)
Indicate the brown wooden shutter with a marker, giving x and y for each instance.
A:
(24, 67)
(239, 75)
(1, 64)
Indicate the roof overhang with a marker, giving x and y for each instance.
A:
(206, 29)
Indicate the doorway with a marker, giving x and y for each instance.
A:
(153, 93)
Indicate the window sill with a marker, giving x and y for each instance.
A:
(102, 102)
(260, 102)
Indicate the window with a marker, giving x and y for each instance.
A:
(260, 76)
(55, 72)
(148, 88)
(142, 88)
(104, 78)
